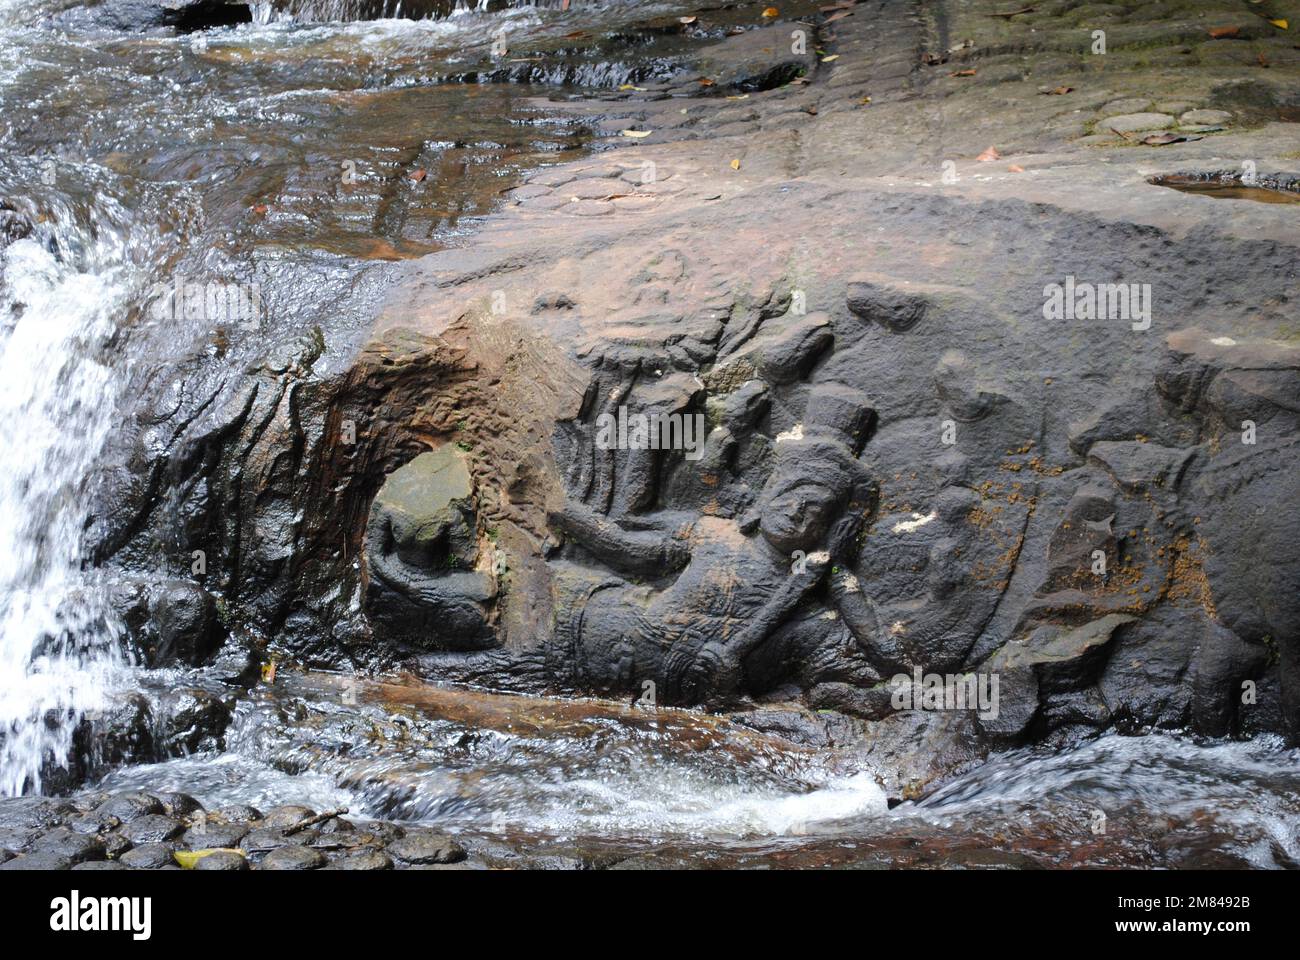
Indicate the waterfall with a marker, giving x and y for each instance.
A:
(62, 289)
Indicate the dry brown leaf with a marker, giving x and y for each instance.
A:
(962, 73)
(1223, 33)
(990, 154)
(1016, 168)
(418, 175)
(1059, 91)
(704, 81)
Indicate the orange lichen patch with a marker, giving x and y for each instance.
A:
(1188, 581)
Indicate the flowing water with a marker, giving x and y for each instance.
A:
(296, 146)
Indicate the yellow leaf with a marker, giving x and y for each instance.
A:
(735, 164)
(630, 86)
(743, 96)
(833, 56)
(771, 12)
(268, 672)
(188, 859)
(1279, 23)
(864, 101)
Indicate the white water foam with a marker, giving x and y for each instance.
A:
(58, 650)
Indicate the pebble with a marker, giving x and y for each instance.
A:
(151, 856)
(293, 858)
(214, 835)
(222, 860)
(427, 848)
(1135, 122)
(1205, 117)
(153, 828)
(365, 860)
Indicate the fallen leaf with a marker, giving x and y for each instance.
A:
(864, 101)
(1280, 23)
(990, 154)
(268, 672)
(771, 12)
(188, 859)
(1016, 168)
(637, 133)
(810, 110)
(686, 19)
(1222, 33)
(575, 35)
(743, 96)
(833, 57)
(1013, 13)
(962, 73)
(1059, 91)
(261, 209)
(735, 164)
(418, 175)
(704, 81)
(839, 16)
(631, 86)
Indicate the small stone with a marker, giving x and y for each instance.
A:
(179, 804)
(293, 858)
(214, 835)
(1135, 122)
(1127, 105)
(115, 845)
(427, 848)
(594, 188)
(287, 816)
(236, 813)
(76, 847)
(264, 838)
(151, 856)
(38, 861)
(529, 191)
(101, 865)
(589, 208)
(222, 860)
(365, 860)
(1207, 118)
(130, 806)
(154, 828)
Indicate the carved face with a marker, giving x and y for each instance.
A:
(796, 510)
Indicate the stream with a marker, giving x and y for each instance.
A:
(302, 144)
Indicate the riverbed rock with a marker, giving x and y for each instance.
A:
(149, 856)
(906, 459)
(421, 847)
(292, 858)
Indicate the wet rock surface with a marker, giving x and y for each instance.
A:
(937, 411)
(907, 459)
(287, 838)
